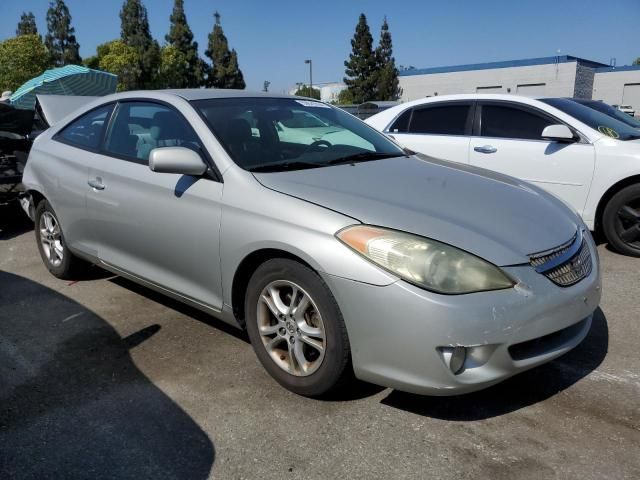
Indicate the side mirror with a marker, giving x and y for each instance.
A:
(180, 160)
(558, 133)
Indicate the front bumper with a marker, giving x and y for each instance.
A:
(397, 331)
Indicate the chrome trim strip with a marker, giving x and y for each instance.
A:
(535, 180)
(573, 249)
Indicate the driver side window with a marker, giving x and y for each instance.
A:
(503, 121)
(139, 127)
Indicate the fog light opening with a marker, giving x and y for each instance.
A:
(454, 358)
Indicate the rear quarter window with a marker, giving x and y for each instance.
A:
(86, 131)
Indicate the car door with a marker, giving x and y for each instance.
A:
(507, 138)
(162, 228)
(69, 157)
(440, 130)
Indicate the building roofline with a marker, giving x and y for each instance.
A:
(622, 68)
(526, 62)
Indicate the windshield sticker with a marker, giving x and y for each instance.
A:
(307, 103)
(608, 131)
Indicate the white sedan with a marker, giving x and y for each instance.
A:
(586, 158)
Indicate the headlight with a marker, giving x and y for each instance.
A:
(426, 263)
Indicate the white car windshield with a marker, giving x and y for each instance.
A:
(275, 134)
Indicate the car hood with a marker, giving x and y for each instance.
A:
(496, 217)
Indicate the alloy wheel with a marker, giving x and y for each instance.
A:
(51, 239)
(628, 223)
(291, 328)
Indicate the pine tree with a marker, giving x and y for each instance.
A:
(135, 32)
(387, 75)
(225, 72)
(60, 39)
(361, 68)
(180, 37)
(27, 24)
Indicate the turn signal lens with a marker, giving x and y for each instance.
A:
(424, 262)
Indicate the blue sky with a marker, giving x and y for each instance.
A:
(274, 37)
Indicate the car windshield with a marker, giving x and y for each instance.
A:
(609, 110)
(597, 120)
(275, 134)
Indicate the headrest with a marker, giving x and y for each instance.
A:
(163, 123)
(238, 131)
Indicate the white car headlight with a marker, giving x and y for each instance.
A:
(424, 262)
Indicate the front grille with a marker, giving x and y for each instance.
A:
(542, 258)
(567, 264)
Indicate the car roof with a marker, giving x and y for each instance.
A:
(207, 93)
(383, 119)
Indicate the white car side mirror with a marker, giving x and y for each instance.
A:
(558, 133)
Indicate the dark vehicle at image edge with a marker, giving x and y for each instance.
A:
(15, 142)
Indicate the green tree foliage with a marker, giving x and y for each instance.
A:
(60, 39)
(361, 68)
(306, 91)
(27, 24)
(180, 38)
(636, 61)
(225, 72)
(21, 58)
(120, 59)
(388, 87)
(135, 32)
(345, 97)
(174, 68)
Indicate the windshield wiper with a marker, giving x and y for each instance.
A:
(363, 157)
(276, 167)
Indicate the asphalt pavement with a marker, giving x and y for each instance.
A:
(101, 378)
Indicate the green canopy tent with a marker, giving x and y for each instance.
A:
(67, 80)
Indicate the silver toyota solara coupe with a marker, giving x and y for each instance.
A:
(341, 254)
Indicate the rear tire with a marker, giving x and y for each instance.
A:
(290, 313)
(52, 246)
(621, 221)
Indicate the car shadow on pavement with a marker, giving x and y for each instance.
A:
(74, 405)
(520, 391)
(355, 390)
(180, 307)
(13, 222)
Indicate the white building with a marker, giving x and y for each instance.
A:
(328, 91)
(558, 76)
(618, 85)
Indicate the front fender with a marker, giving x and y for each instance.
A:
(261, 218)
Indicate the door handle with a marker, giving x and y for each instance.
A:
(486, 149)
(96, 183)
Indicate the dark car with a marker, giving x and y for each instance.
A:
(607, 109)
(15, 142)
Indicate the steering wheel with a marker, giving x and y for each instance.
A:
(318, 143)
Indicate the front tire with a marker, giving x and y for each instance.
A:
(296, 328)
(52, 246)
(621, 221)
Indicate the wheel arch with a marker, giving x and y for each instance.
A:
(34, 197)
(245, 270)
(608, 195)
